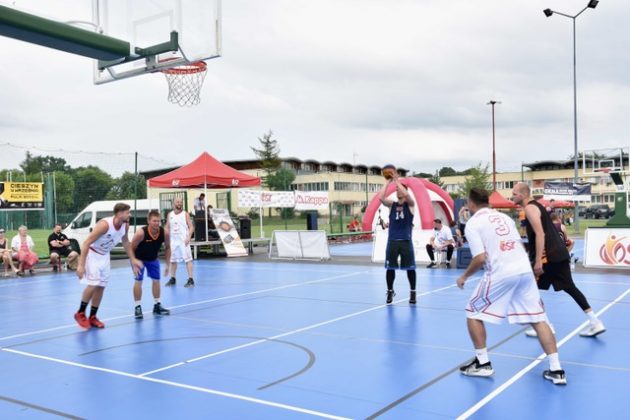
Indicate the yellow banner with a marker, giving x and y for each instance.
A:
(21, 195)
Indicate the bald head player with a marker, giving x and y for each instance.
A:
(550, 258)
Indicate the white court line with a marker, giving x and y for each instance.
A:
(286, 286)
(180, 385)
(275, 337)
(472, 410)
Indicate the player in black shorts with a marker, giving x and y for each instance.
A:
(146, 244)
(59, 246)
(550, 258)
(399, 236)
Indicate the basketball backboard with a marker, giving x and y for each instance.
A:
(126, 37)
(148, 23)
(606, 161)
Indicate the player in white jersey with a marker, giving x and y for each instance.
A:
(507, 289)
(94, 263)
(180, 227)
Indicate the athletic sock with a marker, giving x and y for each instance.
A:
(592, 317)
(156, 300)
(482, 355)
(83, 307)
(554, 361)
(138, 302)
(93, 310)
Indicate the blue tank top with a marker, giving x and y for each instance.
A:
(400, 222)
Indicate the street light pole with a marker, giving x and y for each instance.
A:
(494, 155)
(548, 12)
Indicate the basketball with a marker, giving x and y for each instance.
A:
(389, 171)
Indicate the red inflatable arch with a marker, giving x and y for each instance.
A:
(424, 205)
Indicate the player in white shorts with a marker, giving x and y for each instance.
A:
(180, 227)
(94, 263)
(507, 289)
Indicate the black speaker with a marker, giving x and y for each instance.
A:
(200, 228)
(245, 226)
(311, 221)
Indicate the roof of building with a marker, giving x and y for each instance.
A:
(248, 164)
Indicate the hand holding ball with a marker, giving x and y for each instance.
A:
(389, 172)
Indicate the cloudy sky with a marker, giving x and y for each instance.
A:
(365, 81)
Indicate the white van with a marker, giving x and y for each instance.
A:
(84, 223)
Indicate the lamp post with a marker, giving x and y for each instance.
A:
(548, 12)
(494, 155)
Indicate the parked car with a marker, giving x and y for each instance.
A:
(599, 211)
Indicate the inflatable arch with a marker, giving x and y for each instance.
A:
(431, 202)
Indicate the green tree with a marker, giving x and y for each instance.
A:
(64, 193)
(37, 164)
(447, 171)
(90, 184)
(268, 154)
(126, 186)
(437, 180)
(281, 180)
(422, 175)
(478, 177)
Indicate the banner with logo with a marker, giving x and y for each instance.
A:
(266, 199)
(567, 191)
(228, 233)
(21, 196)
(607, 247)
(311, 200)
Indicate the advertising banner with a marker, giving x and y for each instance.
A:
(607, 247)
(228, 233)
(21, 196)
(266, 199)
(311, 200)
(567, 191)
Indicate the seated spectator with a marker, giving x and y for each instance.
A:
(441, 240)
(458, 238)
(5, 251)
(59, 246)
(355, 225)
(22, 245)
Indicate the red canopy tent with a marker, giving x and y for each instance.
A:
(205, 172)
(497, 201)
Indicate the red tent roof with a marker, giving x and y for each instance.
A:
(497, 201)
(205, 171)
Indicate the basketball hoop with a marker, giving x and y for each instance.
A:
(184, 83)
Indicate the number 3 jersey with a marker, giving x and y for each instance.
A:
(496, 235)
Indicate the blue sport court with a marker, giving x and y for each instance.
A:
(285, 340)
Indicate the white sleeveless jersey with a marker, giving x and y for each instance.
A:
(178, 228)
(105, 243)
(496, 235)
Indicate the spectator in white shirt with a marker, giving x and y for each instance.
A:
(22, 245)
(199, 204)
(441, 240)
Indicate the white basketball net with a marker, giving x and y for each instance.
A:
(184, 83)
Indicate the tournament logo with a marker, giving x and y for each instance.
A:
(507, 245)
(615, 250)
(175, 182)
